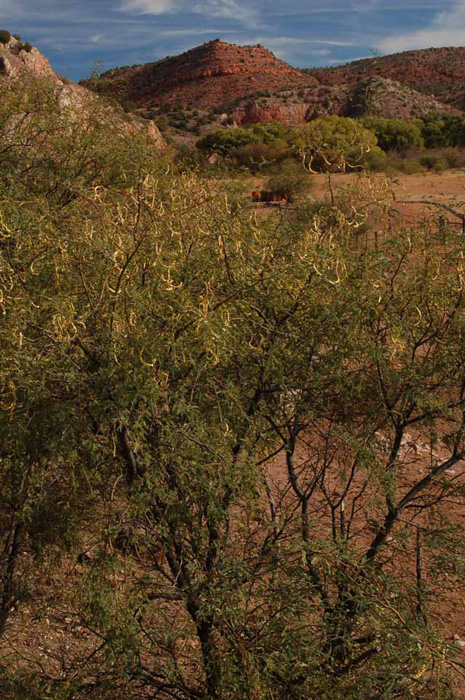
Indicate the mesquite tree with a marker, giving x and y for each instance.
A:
(253, 428)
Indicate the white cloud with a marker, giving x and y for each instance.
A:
(238, 10)
(447, 29)
(272, 42)
(174, 33)
(152, 7)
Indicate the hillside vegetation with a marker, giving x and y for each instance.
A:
(248, 84)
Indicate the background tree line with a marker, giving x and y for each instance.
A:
(431, 143)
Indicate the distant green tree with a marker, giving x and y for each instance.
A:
(442, 130)
(395, 134)
(225, 141)
(333, 143)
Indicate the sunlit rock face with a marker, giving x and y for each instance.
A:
(17, 62)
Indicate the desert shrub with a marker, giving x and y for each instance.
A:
(375, 160)
(129, 106)
(454, 156)
(225, 141)
(434, 161)
(182, 124)
(410, 166)
(395, 134)
(407, 164)
(189, 159)
(5, 36)
(270, 131)
(292, 180)
(162, 123)
(160, 345)
(334, 144)
(257, 156)
(17, 48)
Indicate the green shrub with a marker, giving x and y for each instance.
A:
(455, 156)
(395, 134)
(434, 161)
(129, 106)
(162, 123)
(5, 36)
(444, 130)
(189, 159)
(291, 180)
(375, 160)
(256, 156)
(225, 141)
(334, 144)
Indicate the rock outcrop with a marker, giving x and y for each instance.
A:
(373, 96)
(439, 72)
(17, 62)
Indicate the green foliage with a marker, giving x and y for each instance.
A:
(434, 161)
(443, 130)
(218, 406)
(291, 180)
(5, 36)
(334, 144)
(375, 160)
(225, 141)
(259, 155)
(395, 134)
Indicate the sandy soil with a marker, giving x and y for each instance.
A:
(443, 187)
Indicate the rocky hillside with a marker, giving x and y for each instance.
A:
(370, 96)
(247, 84)
(436, 72)
(18, 60)
(208, 76)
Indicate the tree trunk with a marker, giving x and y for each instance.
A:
(7, 594)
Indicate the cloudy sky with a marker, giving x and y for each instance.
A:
(74, 34)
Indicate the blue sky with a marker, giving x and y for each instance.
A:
(76, 33)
